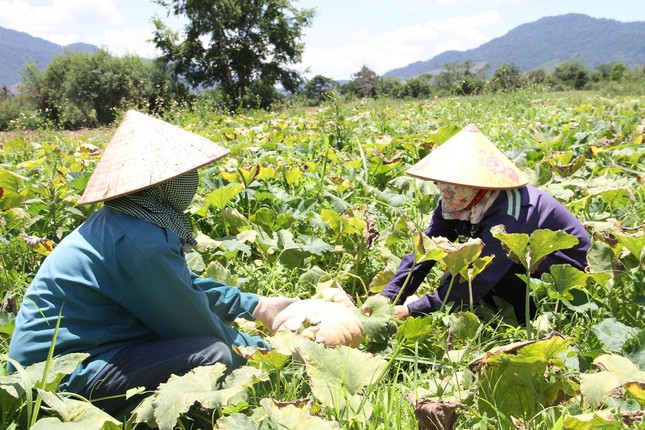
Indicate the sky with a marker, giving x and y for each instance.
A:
(345, 35)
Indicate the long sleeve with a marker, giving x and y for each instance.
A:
(417, 273)
(178, 303)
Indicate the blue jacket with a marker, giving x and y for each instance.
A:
(118, 280)
(520, 210)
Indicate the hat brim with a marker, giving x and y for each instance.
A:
(146, 151)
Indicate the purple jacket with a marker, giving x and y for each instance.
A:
(520, 210)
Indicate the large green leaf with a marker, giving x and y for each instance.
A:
(339, 375)
(635, 245)
(531, 250)
(464, 325)
(10, 185)
(201, 385)
(221, 196)
(593, 421)
(377, 319)
(613, 334)
(74, 415)
(514, 384)
(17, 383)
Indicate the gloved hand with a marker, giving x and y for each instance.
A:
(268, 307)
(335, 295)
(331, 323)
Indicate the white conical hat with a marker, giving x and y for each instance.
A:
(469, 158)
(146, 151)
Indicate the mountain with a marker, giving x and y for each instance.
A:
(546, 43)
(18, 48)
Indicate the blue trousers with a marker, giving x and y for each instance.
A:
(149, 364)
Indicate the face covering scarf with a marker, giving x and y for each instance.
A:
(465, 203)
(164, 205)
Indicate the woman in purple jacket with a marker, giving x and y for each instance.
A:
(487, 190)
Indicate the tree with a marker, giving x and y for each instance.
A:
(461, 78)
(363, 83)
(80, 89)
(572, 75)
(417, 87)
(237, 45)
(318, 87)
(536, 76)
(507, 77)
(390, 87)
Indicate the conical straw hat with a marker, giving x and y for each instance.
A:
(469, 158)
(146, 151)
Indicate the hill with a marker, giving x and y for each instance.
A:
(547, 42)
(18, 48)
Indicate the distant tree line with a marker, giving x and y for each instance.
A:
(240, 55)
(466, 79)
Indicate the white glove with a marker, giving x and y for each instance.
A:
(268, 307)
(330, 323)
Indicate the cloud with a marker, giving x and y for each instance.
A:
(53, 21)
(126, 41)
(400, 47)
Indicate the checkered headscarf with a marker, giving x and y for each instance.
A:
(163, 204)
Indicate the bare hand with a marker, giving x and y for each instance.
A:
(401, 311)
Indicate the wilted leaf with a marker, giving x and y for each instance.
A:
(425, 248)
(41, 245)
(617, 371)
(380, 280)
(600, 258)
(215, 270)
(635, 245)
(435, 415)
(459, 255)
(291, 417)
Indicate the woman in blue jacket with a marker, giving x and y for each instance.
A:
(119, 285)
(481, 188)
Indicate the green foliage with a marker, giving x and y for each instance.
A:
(317, 89)
(250, 47)
(306, 199)
(363, 83)
(86, 90)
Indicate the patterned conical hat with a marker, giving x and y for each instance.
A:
(146, 151)
(469, 158)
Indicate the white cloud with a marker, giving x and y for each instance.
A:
(127, 41)
(400, 47)
(53, 21)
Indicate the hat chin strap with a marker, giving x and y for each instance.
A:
(478, 197)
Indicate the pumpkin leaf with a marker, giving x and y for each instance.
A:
(74, 414)
(339, 376)
(617, 371)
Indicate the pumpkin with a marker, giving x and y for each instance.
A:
(325, 322)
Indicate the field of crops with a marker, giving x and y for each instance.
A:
(311, 199)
